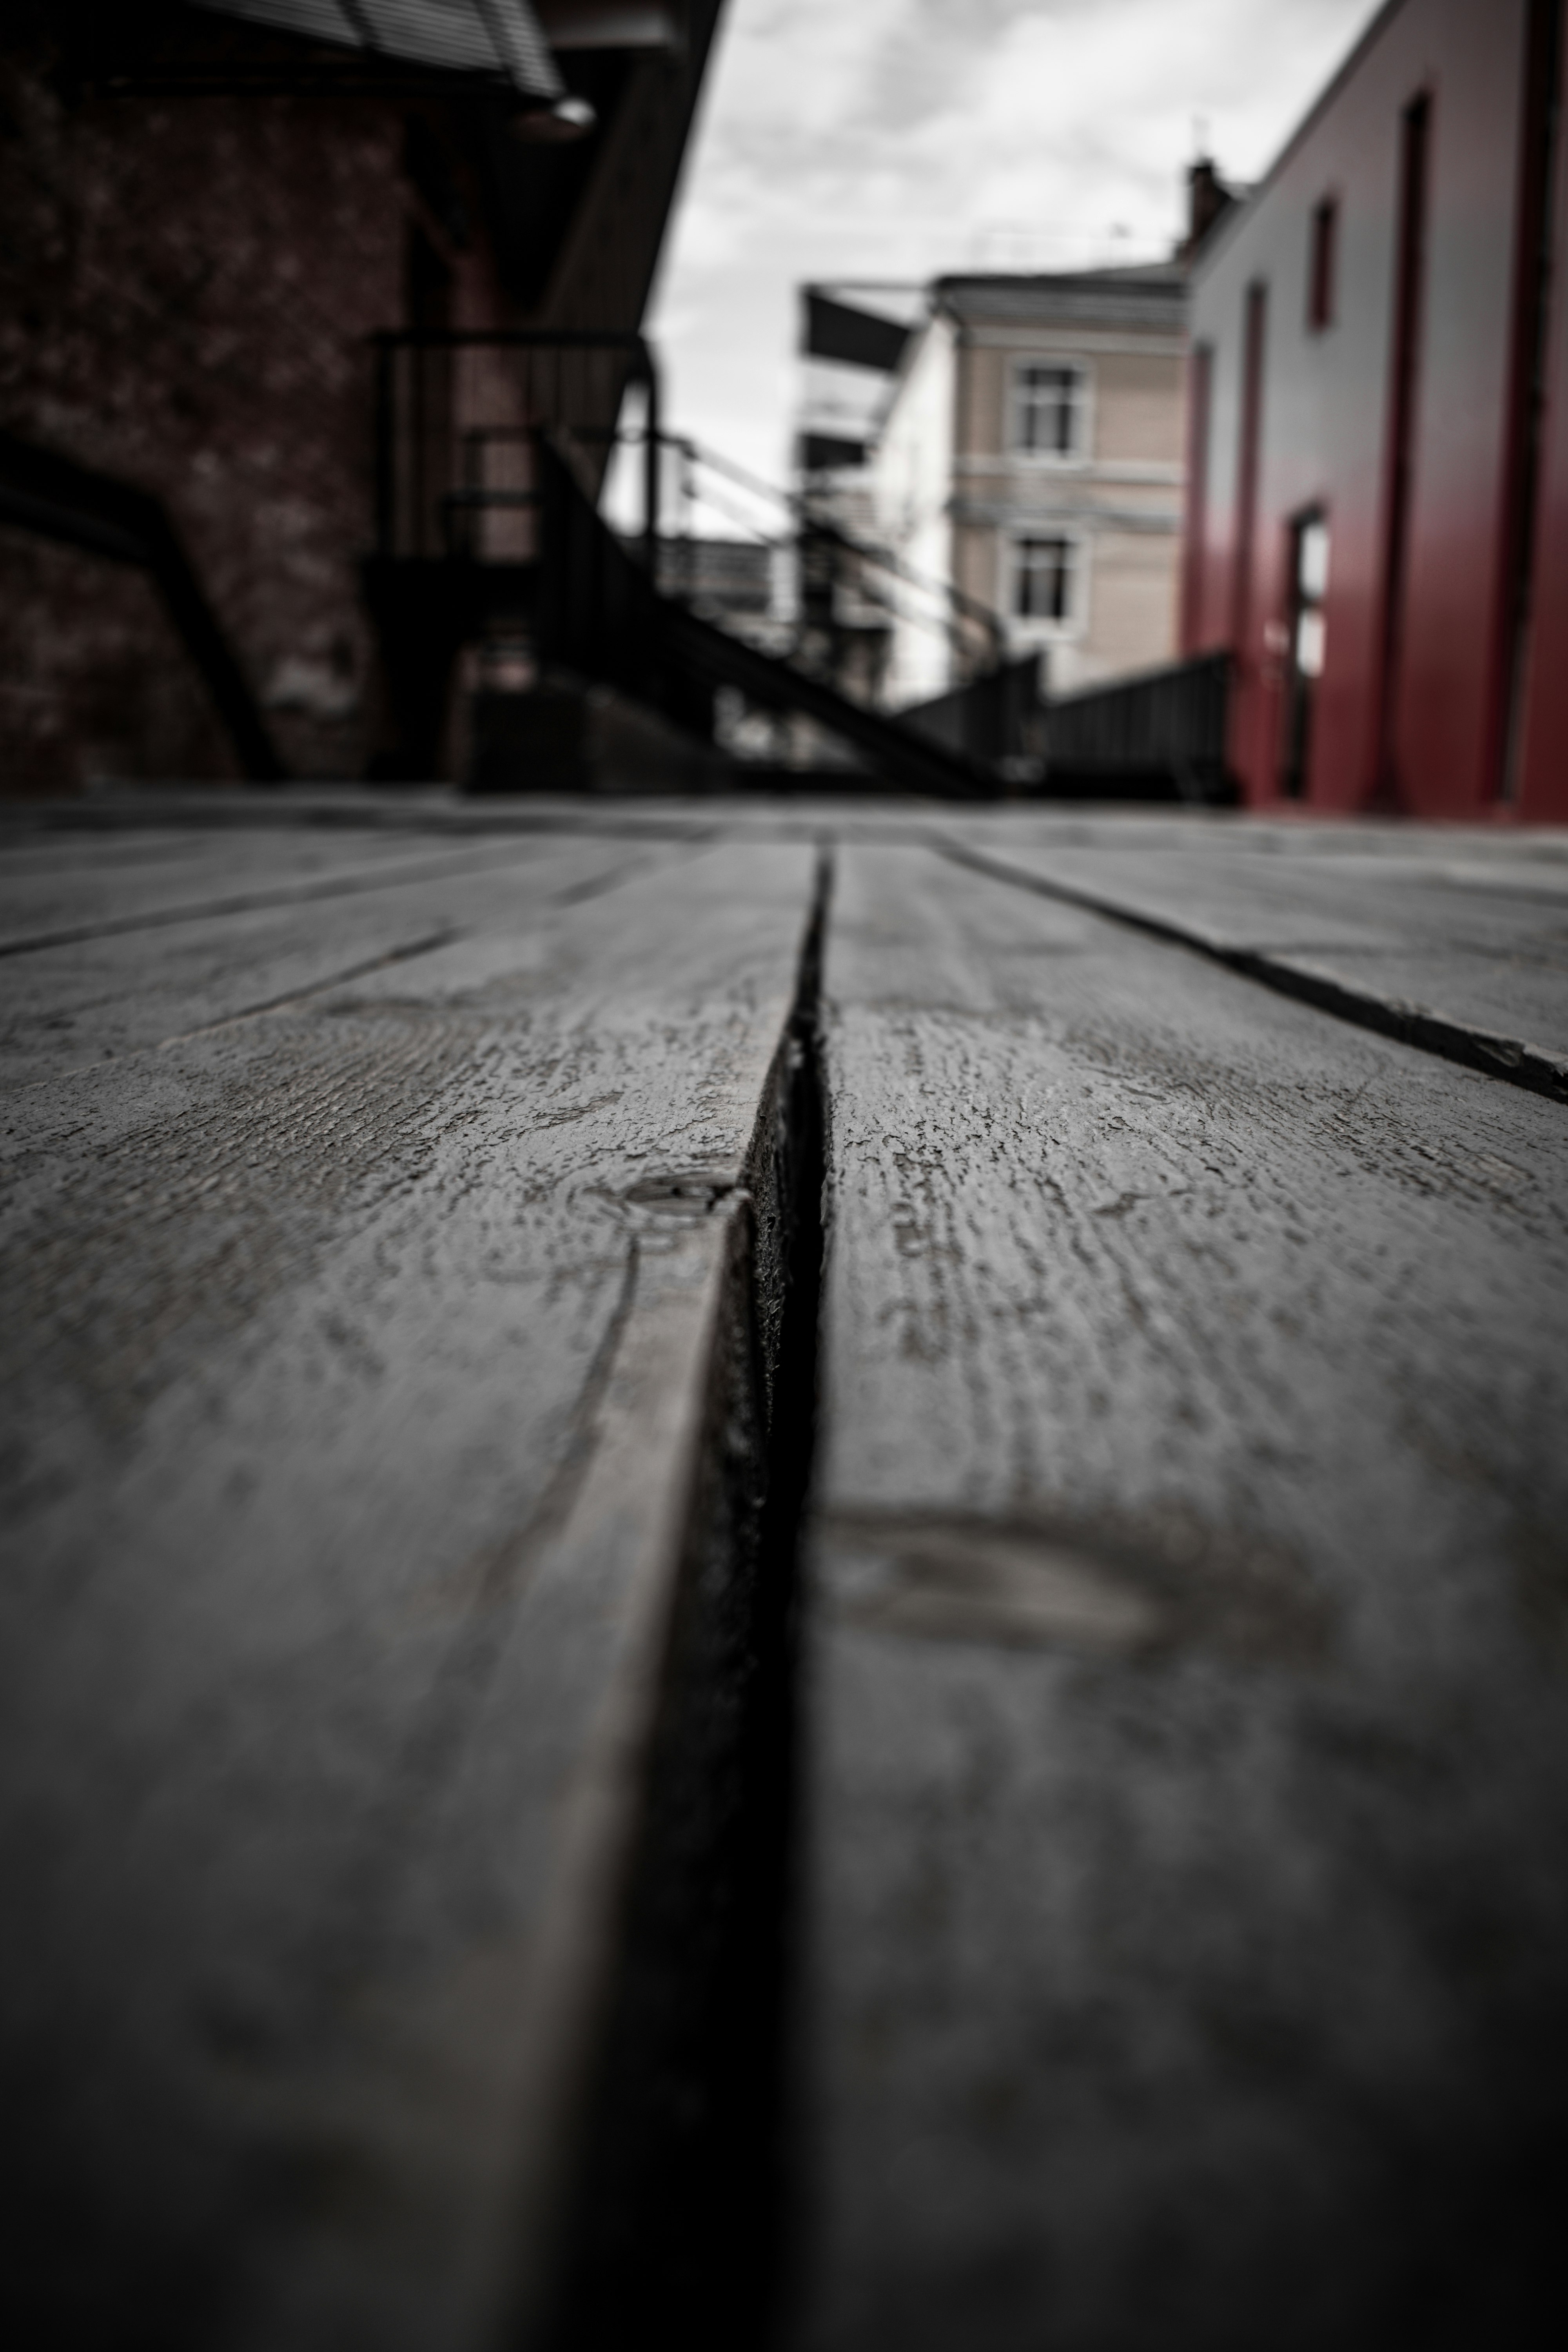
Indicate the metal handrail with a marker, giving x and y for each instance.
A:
(389, 340)
(795, 504)
(961, 607)
(798, 504)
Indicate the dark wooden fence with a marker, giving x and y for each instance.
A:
(998, 717)
(1165, 727)
(1157, 736)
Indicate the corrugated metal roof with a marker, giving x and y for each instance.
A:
(501, 38)
(607, 24)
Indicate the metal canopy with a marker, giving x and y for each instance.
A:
(836, 331)
(502, 39)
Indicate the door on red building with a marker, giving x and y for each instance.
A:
(1306, 646)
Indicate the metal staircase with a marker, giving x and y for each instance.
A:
(491, 450)
(600, 615)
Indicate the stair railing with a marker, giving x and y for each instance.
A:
(458, 412)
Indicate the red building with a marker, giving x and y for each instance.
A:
(1378, 491)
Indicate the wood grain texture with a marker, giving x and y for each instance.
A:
(252, 876)
(1188, 1778)
(126, 813)
(1474, 942)
(355, 1360)
(66, 1008)
(1188, 1758)
(48, 901)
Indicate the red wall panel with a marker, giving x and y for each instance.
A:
(1543, 775)
(1325, 425)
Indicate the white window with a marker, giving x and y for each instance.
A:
(1046, 568)
(1050, 408)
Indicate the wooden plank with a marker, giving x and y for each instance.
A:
(85, 848)
(356, 1365)
(29, 850)
(1188, 1774)
(1465, 952)
(428, 810)
(216, 876)
(1243, 890)
(69, 1009)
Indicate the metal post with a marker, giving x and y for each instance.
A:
(383, 477)
(652, 446)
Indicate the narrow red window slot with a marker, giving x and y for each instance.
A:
(1254, 335)
(1321, 265)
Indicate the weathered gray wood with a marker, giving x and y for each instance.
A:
(70, 1008)
(431, 810)
(26, 848)
(1187, 1778)
(1248, 889)
(1373, 842)
(1477, 938)
(225, 875)
(354, 1361)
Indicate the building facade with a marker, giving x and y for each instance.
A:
(213, 214)
(1032, 457)
(1378, 516)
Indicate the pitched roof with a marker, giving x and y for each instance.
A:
(498, 39)
(1152, 294)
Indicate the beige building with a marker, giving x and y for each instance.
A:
(1031, 456)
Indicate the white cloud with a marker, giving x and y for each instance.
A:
(901, 138)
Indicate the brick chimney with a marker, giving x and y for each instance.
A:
(1208, 201)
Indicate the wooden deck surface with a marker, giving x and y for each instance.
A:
(1187, 1758)
(398, 1282)
(1458, 944)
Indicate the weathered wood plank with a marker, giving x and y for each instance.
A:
(225, 876)
(1187, 1762)
(355, 1365)
(1477, 940)
(27, 850)
(61, 838)
(68, 1008)
(432, 810)
(1248, 889)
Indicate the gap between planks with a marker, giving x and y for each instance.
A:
(1515, 1059)
(639, 1474)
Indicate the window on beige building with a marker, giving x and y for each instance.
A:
(1045, 578)
(1050, 409)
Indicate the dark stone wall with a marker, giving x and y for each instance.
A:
(94, 681)
(186, 288)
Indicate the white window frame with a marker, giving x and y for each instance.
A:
(1034, 628)
(1056, 364)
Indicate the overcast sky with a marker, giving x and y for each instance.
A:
(901, 138)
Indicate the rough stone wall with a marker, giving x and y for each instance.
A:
(94, 681)
(186, 286)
